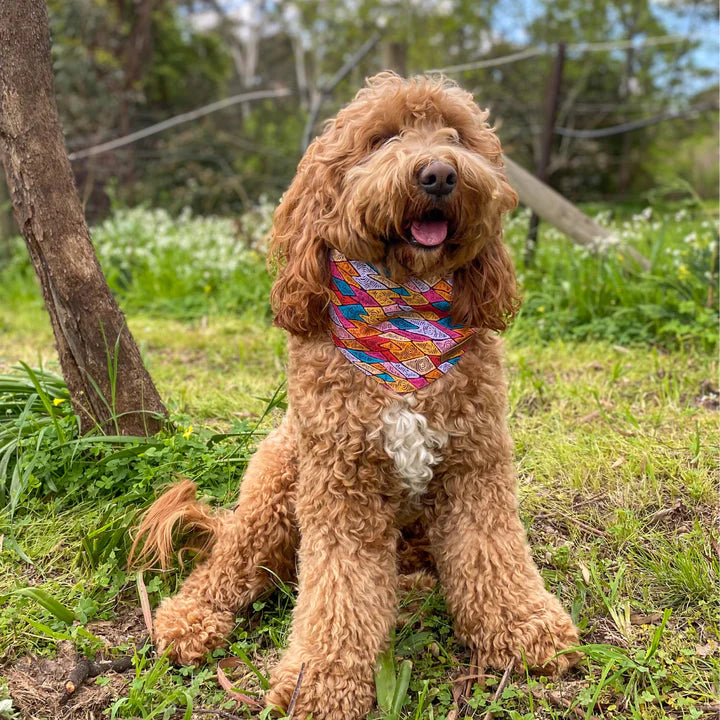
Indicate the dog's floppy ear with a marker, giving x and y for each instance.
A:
(301, 295)
(484, 290)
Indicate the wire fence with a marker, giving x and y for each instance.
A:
(325, 92)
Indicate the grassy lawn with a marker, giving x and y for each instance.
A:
(616, 448)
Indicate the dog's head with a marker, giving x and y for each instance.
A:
(408, 175)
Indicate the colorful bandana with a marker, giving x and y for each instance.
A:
(400, 335)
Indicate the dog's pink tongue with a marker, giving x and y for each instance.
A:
(429, 232)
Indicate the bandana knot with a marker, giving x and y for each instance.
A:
(400, 335)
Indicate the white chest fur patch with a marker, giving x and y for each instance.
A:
(412, 444)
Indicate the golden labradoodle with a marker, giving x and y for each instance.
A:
(393, 282)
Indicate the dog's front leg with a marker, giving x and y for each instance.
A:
(347, 582)
(495, 592)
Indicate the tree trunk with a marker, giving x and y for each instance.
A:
(109, 386)
(7, 228)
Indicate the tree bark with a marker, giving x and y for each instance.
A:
(7, 228)
(109, 386)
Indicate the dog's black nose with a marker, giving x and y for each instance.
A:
(438, 178)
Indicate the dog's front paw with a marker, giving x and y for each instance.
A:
(190, 629)
(534, 640)
(327, 692)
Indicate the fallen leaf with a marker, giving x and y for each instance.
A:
(618, 462)
(706, 650)
(227, 686)
(664, 512)
(643, 619)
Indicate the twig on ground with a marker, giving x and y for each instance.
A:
(624, 433)
(593, 499)
(645, 619)
(465, 678)
(222, 713)
(713, 707)
(582, 525)
(473, 678)
(560, 702)
(88, 669)
(145, 603)
(501, 686)
(296, 692)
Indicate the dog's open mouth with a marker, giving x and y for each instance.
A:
(430, 231)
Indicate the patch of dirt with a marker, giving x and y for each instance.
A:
(530, 405)
(709, 397)
(127, 627)
(604, 632)
(37, 688)
(676, 515)
(37, 684)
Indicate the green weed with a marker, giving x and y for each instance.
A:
(685, 570)
(149, 697)
(391, 684)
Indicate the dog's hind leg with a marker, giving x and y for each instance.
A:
(255, 541)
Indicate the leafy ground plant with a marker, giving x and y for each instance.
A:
(572, 292)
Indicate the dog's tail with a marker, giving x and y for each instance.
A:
(196, 522)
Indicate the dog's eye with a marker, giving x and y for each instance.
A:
(454, 137)
(377, 141)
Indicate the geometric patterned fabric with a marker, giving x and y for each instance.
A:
(400, 335)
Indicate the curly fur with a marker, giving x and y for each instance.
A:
(411, 444)
(336, 487)
(355, 189)
(177, 508)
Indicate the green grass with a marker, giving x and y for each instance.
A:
(573, 293)
(616, 446)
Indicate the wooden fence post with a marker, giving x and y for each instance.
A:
(394, 57)
(324, 92)
(553, 98)
(566, 217)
